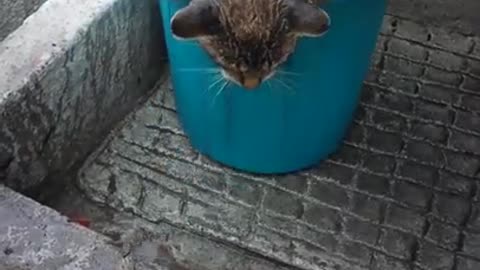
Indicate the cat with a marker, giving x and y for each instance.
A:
(249, 39)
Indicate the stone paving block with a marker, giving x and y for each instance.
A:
(442, 234)
(406, 84)
(468, 121)
(455, 184)
(473, 223)
(473, 67)
(454, 209)
(330, 193)
(412, 194)
(334, 172)
(428, 131)
(423, 174)
(388, 120)
(444, 77)
(464, 142)
(389, 142)
(361, 231)
(432, 257)
(438, 93)
(246, 192)
(355, 252)
(368, 207)
(296, 183)
(35, 237)
(406, 49)
(447, 61)
(467, 264)
(382, 262)
(323, 217)
(471, 102)
(348, 155)
(463, 163)
(411, 31)
(398, 244)
(471, 83)
(471, 244)
(403, 67)
(399, 194)
(382, 164)
(283, 203)
(435, 112)
(425, 153)
(395, 102)
(373, 184)
(405, 219)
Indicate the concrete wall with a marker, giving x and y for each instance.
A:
(14, 12)
(460, 15)
(69, 74)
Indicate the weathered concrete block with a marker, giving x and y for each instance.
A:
(461, 15)
(69, 73)
(14, 12)
(35, 237)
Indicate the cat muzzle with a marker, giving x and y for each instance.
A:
(250, 82)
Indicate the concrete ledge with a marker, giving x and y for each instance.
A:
(459, 16)
(69, 73)
(13, 13)
(35, 237)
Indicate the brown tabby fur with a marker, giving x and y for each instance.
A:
(249, 39)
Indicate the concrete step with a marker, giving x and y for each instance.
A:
(66, 79)
(401, 193)
(35, 237)
(160, 245)
(13, 13)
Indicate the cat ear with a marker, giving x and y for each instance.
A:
(308, 20)
(199, 18)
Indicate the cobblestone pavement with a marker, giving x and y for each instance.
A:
(401, 193)
(159, 246)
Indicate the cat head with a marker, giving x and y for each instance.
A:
(249, 39)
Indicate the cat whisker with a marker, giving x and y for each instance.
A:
(204, 70)
(285, 85)
(216, 81)
(283, 72)
(269, 84)
(219, 92)
(287, 80)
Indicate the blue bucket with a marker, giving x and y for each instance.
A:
(296, 120)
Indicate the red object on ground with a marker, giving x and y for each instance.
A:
(81, 220)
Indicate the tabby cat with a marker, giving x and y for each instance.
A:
(249, 39)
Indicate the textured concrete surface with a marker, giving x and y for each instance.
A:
(34, 237)
(14, 12)
(459, 16)
(69, 73)
(401, 193)
(161, 246)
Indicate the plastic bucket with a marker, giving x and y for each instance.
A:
(297, 119)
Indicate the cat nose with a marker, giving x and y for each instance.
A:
(251, 82)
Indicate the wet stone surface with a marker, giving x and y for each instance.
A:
(401, 193)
